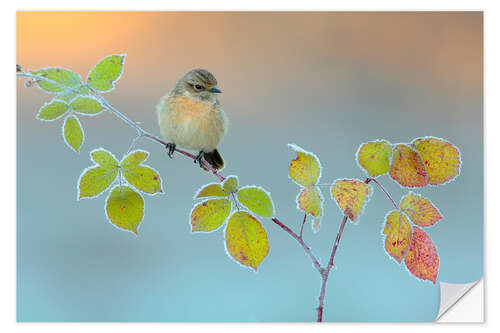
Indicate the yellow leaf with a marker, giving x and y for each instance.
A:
(125, 208)
(398, 235)
(246, 240)
(104, 158)
(441, 159)
(95, 180)
(351, 196)
(374, 157)
(134, 158)
(305, 170)
(211, 190)
(310, 200)
(422, 259)
(257, 200)
(230, 184)
(53, 110)
(73, 133)
(420, 210)
(210, 215)
(407, 168)
(143, 178)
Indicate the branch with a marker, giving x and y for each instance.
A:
(326, 272)
(301, 242)
(383, 189)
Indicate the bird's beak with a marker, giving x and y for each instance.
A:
(215, 90)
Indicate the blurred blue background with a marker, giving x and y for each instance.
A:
(325, 81)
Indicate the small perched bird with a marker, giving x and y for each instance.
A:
(191, 117)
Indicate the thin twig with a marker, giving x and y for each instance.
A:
(383, 189)
(301, 242)
(302, 227)
(326, 271)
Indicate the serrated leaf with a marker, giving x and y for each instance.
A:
(246, 240)
(256, 200)
(104, 75)
(374, 157)
(211, 190)
(142, 177)
(209, 215)
(63, 79)
(422, 259)
(104, 158)
(310, 200)
(125, 208)
(305, 170)
(398, 235)
(230, 184)
(95, 180)
(351, 195)
(407, 168)
(52, 110)
(420, 210)
(86, 105)
(73, 133)
(441, 159)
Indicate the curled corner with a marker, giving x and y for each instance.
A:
(455, 300)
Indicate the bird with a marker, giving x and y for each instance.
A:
(191, 117)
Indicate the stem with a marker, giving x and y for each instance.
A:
(383, 189)
(326, 272)
(302, 227)
(301, 242)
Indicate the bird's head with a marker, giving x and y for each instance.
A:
(199, 84)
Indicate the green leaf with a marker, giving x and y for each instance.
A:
(104, 158)
(106, 73)
(69, 95)
(143, 178)
(209, 215)
(246, 240)
(63, 79)
(73, 133)
(52, 111)
(86, 105)
(374, 157)
(211, 190)
(230, 184)
(125, 208)
(257, 200)
(95, 180)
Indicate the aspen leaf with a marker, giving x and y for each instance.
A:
(73, 133)
(246, 240)
(209, 215)
(407, 168)
(441, 159)
(211, 190)
(305, 170)
(310, 201)
(63, 79)
(422, 259)
(143, 178)
(257, 200)
(53, 110)
(125, 208)
(104, 75)
(374, 157)
(398, 235)
(420, 210)
(351, 196)
(86, 105)
(96, 179)
(230, 184)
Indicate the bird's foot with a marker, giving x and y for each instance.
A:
(171, 149)
(199, 159)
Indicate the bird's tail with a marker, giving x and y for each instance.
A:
(215, 159)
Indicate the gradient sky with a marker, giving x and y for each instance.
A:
(325, 81)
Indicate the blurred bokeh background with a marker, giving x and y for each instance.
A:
(325, 81)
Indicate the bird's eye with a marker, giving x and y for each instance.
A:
(198, 87)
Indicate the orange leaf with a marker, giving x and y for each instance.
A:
(407, 168)
(351, 196)
(420, 210)
(398, 231)
(440, 157)
(422, 259)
